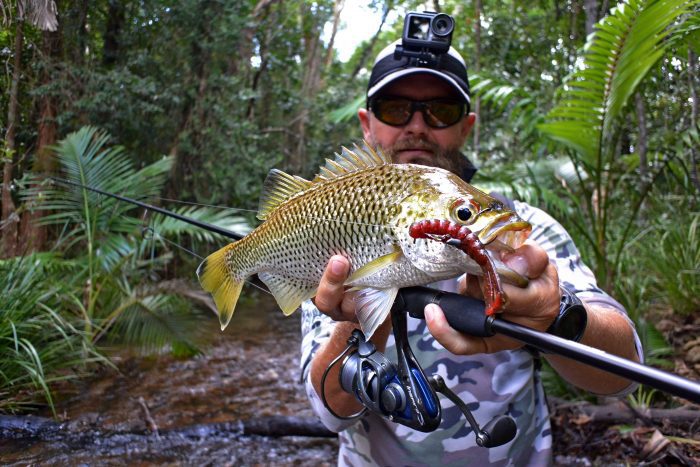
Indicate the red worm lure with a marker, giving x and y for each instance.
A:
(461, 237)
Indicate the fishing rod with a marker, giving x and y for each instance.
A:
(463, 313)
(150, 207)
(404, 394)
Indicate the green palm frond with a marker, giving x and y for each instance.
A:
(494, 92)
(154, 318)
(617, 56)
(171, 227)
(515, 102)
(348, 111)
(534, 182)
(114, 290)
(85, 158)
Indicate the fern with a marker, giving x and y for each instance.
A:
(618, 55)
(115, 264)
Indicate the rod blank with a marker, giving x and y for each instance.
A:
(203, 225)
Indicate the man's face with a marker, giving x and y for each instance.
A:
(416, 142)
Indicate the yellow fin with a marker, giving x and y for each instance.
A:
(375, 265)
(278, 188)
(289, 293)
(349, 161)
(216, 279)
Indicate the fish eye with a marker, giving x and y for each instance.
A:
(463, 213)
(463, 210)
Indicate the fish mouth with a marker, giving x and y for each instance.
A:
(507, 231)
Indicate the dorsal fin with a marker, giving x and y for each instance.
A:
(349, 161)
(278, 188)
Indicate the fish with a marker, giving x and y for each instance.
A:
(361, 206)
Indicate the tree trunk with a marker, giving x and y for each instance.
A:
(33, 236)
(591, 9)
(311, 82)
(618, 412)
(81, 32)
(557, 10)
(31, 427)
(259, 99)
(642, 138)
(477, 69)
(337, 9)
(9, 220)
(245, 41)
(115, 21)
(193, 111)
(370, 46)
(44, 162)
(573, 23)
(692, 84)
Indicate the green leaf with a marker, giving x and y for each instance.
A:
(617, 56)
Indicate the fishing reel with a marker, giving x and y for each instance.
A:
(401, 392)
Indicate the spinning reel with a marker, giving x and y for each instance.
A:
(401, 392)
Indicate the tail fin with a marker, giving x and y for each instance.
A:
(216, 279)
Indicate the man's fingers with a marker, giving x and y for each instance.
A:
(470, 286)
(462, 344)
(452, 340)
(331, 289)
(529, 260)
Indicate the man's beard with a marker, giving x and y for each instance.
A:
(450, 159)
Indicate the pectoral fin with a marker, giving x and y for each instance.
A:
(375, 266)
(289, 293)
(372, 307)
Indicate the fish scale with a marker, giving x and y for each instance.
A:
(360, 205)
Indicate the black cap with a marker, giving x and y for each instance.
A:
(387, 68)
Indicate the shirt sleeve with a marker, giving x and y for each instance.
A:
(573, 272)
(316, 329)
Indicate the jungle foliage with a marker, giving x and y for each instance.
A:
(587, 108)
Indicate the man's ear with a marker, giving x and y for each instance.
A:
(363, 115)
(468, 124)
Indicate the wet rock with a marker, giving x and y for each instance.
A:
(665, 325)
(693, 354)
(692, 343)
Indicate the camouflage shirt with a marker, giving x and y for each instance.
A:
(490, 384)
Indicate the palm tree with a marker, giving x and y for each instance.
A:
(117, 292)
(617, 57)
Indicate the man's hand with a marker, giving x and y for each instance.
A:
(331, 298)
(536, 306)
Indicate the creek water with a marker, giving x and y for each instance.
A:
(167, 411)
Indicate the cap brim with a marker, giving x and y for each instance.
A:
(412, 71)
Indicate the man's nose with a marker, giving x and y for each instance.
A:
(416, 124)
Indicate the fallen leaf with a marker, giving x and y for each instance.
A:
(656, 443)
(581, 419)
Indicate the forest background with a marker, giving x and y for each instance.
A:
(586, 108)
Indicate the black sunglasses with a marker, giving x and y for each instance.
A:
(398, 111)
